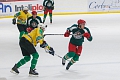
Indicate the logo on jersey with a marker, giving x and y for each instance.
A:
(34, 24)
(77, 35)
(49, 4)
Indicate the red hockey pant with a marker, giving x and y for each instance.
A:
(48, 10)
(74, 48)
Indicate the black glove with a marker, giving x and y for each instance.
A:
(44, 44)
(52, 7)
(14, 21)
(51, 51)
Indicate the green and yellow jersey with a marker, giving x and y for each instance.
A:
(21, 17)
(35, 36)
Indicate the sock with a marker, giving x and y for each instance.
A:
(69, 55)
(34, 60)
(23, 61)
(45, 15)
(50, 14)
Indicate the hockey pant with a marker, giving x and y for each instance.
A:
(27, 50)
(73, 52)
(22, 29)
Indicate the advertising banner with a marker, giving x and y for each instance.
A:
(15, 0)
(10, 8)
(103, 5)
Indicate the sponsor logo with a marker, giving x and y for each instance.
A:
(5, 8)
(104, 5)
(30, 7)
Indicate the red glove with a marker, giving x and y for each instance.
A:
(29, 29)
(67, 33)
(87, 35)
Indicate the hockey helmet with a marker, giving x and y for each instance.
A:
(34, 13)
(25, 8)
(80, 21)
(41, 25)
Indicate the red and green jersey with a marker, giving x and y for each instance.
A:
(48, 4)
(77, 34)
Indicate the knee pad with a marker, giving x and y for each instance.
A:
(76, 57)
(71, 54)
(27, 58)
(35, 55)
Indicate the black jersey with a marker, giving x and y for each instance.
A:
(31, 22)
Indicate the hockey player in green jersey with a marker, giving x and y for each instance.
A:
(33, 21)
(27, 44)
(79, 31)
(21, 20)
(48, 8)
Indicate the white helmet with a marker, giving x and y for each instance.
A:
(41, 25)
(25, 8)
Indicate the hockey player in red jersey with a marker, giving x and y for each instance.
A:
(48, 8)
(79, 31)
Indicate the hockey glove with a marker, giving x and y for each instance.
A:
(87, 35)
(29, 29)
(44, 44)
(14, 21)
(52, 7)
(90, 39)
(67, 34)
(51, 51)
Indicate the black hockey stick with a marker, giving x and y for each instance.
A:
(60, 56)
(47, 51)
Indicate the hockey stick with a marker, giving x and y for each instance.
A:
(47, 51)
(60, 56)
(54, 34)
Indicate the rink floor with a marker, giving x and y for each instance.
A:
(100, 59)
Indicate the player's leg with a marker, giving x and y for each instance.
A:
(31, 51)
(21, 62)
(75, 58)
(23, 46)
(70, 54)
(33, 64)
(45, 15)
(21, 29)
(50, 15)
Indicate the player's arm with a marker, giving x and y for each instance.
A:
(16, 15)
(44, 45)
(52, 4)
(87, 34)
(44, 2)
(14, 19)
(39, 19)
(69, 30)
(28, 22)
